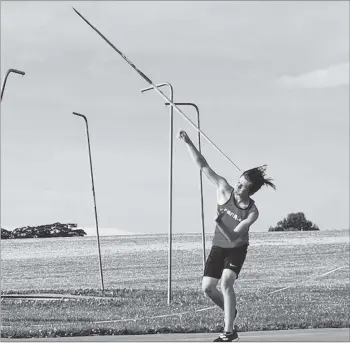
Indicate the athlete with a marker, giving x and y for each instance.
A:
(236, 212)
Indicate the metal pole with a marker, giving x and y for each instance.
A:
(200, 173)
(7, 74)
(170, 184)
(93, 192)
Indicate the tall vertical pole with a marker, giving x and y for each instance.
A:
(171, 151)
(93, 193)
(7, 74)
(201, 187)
(200, 174)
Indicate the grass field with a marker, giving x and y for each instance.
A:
(137, 279)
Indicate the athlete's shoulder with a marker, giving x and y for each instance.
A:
(224, 193)
(254, 208)
(224, 186)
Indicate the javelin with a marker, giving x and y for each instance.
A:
(157, 89)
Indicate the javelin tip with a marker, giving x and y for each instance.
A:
(77, 12)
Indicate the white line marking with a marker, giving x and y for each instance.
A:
(167, 315)
(205, 309)
(313, 277)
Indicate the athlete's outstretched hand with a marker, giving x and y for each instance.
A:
(184, 136)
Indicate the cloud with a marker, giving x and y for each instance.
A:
(333, 76)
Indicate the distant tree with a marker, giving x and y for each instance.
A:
(42, 231)
(294, 222)
(5, 234)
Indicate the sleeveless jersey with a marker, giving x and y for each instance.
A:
(232, 217)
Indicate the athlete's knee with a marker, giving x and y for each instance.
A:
(228, 279)
(208, 286)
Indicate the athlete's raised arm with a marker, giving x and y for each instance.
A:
(220, 182)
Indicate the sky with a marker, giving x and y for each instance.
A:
(271, 80)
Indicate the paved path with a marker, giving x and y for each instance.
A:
(307, 335)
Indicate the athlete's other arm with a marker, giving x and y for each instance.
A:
(241, 228)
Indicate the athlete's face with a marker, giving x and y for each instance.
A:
(242, 186)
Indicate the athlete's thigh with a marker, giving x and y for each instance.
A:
(235, 258)
(215, 263)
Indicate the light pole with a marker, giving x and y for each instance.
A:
(200, 172)
(7, 74)
(171, 150)
(93, 193)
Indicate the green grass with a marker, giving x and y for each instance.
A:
(137, 290)
(300, 307)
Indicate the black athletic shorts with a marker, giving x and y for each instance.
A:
(225, 258)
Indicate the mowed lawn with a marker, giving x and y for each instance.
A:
(136, 282)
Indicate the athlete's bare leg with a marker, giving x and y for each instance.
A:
(227, 280)
(209, 286)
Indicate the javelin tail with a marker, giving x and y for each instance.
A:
(146, 78)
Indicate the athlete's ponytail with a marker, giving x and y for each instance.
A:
(257, 178)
